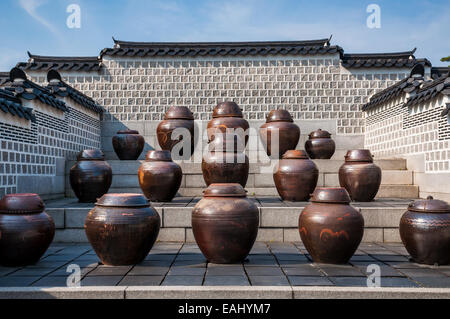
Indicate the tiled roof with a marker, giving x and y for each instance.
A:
(437, 72)
(58, 87)
(382, 60)
(190, 49)
(45, 63)
(20, 86)
(430, 90)
(12, 105)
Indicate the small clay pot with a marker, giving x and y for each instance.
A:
(26, 230)
(320, 145)
(228, 116)
(279, 134)
(159, 177)
(425, 231)
(225, 223)
(330, 228)
(91, 176)
(360, 176)
(122, 228)
(177, 117)
(128, 145)
(296, 176)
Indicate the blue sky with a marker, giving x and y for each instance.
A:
(40, 26)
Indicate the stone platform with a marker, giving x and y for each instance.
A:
(278, 219)
(272, 270)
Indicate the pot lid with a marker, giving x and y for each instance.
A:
(123, 200)
(225, 190)
(338, 195)
(159, 156)
(133, 132)
(319, 134)
(227, 109)
(179, 112)
(359, 156)
(21, 204)
(227, 142)
(91, 155)
(295, 154)
(279, 116)
(429, 205)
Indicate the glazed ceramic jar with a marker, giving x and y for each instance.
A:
(320, 145)
(26, 230)
(360, 176)
(226, 161)
(178, 118)
(128, 145)
(425, 231)
(159, 177)
(225, 223)
(330, 228)
(226, 116)
(296, 176)
(91, 176)
(279, 134)
(122, 228)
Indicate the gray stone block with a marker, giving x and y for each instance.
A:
(58, 216)
(177, 216)
(70, 236)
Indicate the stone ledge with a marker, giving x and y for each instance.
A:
(63, 293)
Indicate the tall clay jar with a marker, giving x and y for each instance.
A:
(122, 228)
(279, 134)
(226, 161)
(228, 115)
(26, 230)
(360, 176)
(330, 228)
(425, 231)
(159, 177)
(177, 117)
(320, 145)
(225, 223)
(296, 176)
(91, 176)
(128, 145)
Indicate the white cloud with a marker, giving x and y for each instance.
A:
(31, 6)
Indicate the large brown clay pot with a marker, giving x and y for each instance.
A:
(91, 176)
(159, 177)
(360, 176)
(122, 228)
(279, 134)
(225, 223)
(425, 231)
(320, 145)
(296, 176)
(226, 161)
(330, 228)
(128, 145)
(26, 230)
(228, 115)
(177, 117)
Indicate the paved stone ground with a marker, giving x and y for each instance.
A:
(271, 264)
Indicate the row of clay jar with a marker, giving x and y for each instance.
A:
(122, 228)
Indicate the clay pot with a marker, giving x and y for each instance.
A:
(296, 176)
(225, 223)
(320, 145)
(128, 145)
(228, 115)
(330, 228)
(425, 231)
(177, 117)
(26, 230)
(285, 132)
(122, 228)
(91, 176)
(159, 177)
(226, 161)
(360, 176)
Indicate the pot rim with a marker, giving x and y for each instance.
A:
(35, 201)
(122, 195)
(128, 132)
